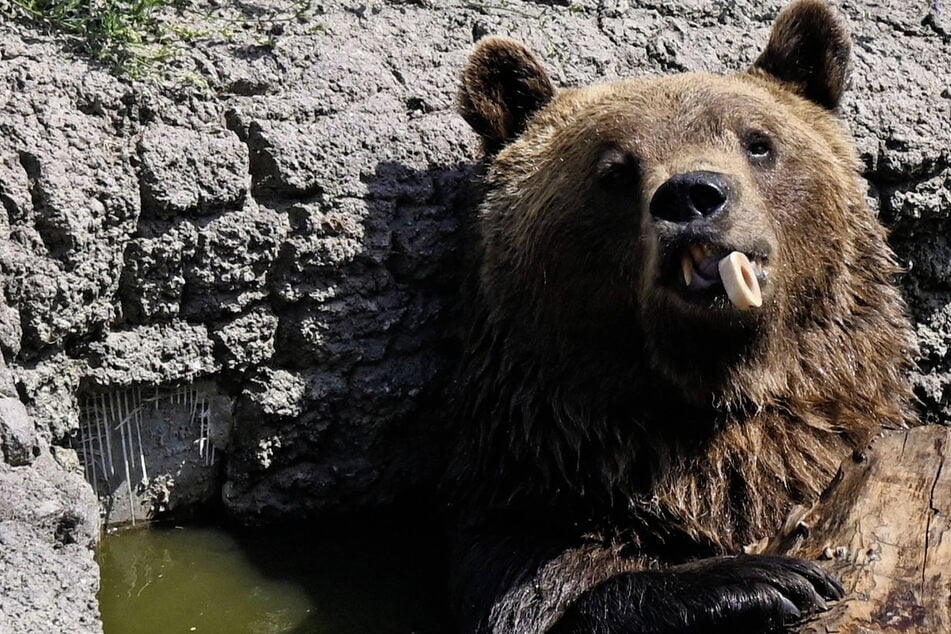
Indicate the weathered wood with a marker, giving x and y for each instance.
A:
(883, 527)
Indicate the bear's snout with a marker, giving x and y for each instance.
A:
(691, 196)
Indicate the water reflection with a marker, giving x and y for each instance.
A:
(382, 577)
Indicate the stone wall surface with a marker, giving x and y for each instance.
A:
(49, 526)
(280, 208)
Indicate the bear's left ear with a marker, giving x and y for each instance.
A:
(503, 85)
(809, 49)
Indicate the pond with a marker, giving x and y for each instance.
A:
(381, 577)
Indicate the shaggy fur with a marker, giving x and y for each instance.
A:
(613, 427)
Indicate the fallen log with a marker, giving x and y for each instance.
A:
(883, 528)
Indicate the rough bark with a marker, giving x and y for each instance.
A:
(884, 526)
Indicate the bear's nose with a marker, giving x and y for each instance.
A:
(690, 196)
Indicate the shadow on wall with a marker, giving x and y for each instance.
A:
(341, 405)
(347, 412)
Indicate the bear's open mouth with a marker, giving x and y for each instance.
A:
(707, 269)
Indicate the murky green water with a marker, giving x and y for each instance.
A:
(204, 579)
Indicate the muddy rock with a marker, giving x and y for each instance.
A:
(184, 170)
(18, 439)
(49, 524)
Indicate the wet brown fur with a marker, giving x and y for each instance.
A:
(587, 390)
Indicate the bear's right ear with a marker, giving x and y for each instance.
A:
(503, 85)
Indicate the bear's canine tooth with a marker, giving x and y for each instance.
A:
(686, 264)
(739, 281)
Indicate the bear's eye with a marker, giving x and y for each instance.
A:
(759, 146)
(618, 169)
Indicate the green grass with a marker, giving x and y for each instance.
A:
(129, 37)
(114, 31)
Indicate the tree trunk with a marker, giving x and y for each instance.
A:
(883, 527)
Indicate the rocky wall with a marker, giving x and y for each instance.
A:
(49, 526)
(278, 211)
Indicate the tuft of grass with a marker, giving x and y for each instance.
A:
(139, 38)
(114, 31)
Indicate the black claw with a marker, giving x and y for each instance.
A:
(832, 588)
(790, 611)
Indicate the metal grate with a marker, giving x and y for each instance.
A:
(127, 435)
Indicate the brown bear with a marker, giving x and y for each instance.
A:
(683, 318)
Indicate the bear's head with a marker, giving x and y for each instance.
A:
(713, 230)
